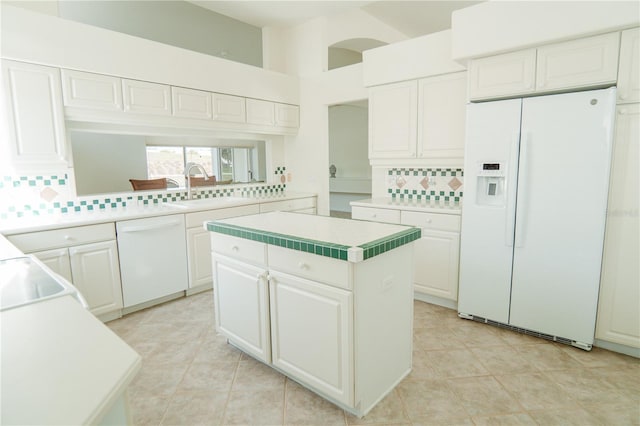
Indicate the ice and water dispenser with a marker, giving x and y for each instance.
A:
(491, 184)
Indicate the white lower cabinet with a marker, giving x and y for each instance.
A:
(436, 267)
(87, 256)
(321, 358)
(96, 274)
(242, 305)
(342, 329)
(437, 252)
(199, 243)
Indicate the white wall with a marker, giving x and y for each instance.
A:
(339, 57)
(38, 38)
(177, 23)
(520, 24)
(105, 163)
(302, 51)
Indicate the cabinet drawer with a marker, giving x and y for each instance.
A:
(191, 103)
(311, 266)
(67, 237)
(88, 90)
(196, 219)
(377, 215)
(229, 108)
(287, 115)
(239, 248)
(288, 205)
(577, 63)
(502, 75)
(433, 221)
(146, 98)
(260, 112)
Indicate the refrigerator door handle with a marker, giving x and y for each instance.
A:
(510, 212)
(523, 185)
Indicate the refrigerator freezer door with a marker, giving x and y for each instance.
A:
(563, 181)
(486, 246)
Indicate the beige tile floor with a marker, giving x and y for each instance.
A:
(463, 374)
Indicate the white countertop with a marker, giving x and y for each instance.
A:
(60, 365)
(53, 221)
(419, 206)
(355, 238)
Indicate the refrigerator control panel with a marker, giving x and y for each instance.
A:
(491, 184)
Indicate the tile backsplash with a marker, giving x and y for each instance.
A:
(29, 196)
(441, 185)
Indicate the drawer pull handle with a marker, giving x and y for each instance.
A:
(68, 237)
(303, 266)
(235, 248)
(428, 221)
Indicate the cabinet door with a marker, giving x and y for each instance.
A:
(260, 112)
(442, 112)
(578, 63)
(241, 298)
(88, 90)
(393, 116)
(97, 276)
(436, 264)
(287, 115)
(618, 316)
(146, 98)
(58, 261)
(229, 108)
(629, 70)
(199, 257)
(33, 116)
(311, 332)
(191, 103)
(502, 75)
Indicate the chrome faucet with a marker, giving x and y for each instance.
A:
(187, 172)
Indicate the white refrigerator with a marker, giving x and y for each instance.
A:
(536, 182)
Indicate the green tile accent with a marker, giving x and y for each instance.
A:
(334, 251)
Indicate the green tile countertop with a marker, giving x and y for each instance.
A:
(343, 239)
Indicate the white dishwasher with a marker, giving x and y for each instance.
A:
(153, 258)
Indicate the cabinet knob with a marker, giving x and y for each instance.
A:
(623, 96)
(374, 215)
(68, 237)
(303, 266)
(428, 221)
(235, 248)
(623, 111)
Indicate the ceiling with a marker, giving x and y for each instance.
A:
(412, 18)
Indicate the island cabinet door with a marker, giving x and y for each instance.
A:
(312, 334)
(242, 305)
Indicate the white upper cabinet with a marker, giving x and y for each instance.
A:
(578, 63)
(441, 116)
(190, 103)
(260, 112)
(287, 115)
(229, 108)
(586, 62)
(393, 115)
(33, 117)
(629, 70)
(502, 75)
(88, 90)
(146, 98)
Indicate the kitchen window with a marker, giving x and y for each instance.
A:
(170, 162)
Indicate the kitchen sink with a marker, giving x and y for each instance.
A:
(24, 280)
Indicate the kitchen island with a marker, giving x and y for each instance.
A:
(326, 301)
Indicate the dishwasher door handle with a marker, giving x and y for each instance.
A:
(150, 227)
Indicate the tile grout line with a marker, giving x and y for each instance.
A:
(233, 381)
